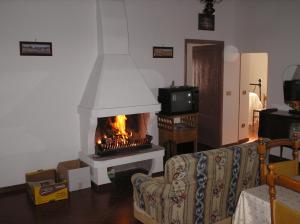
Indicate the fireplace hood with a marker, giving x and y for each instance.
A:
(115, 85)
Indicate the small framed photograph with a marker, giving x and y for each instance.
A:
(206, 22)
(162, 52)
(35, 48)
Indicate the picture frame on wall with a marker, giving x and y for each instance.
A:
(162, 52)
(28, 48)
(206, 22)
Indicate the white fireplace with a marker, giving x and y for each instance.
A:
(115, 87)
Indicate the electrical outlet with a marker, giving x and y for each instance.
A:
(228, 93)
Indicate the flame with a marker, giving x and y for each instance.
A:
(120, 126)
(117, 136)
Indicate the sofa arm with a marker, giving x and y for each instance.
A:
(137, 181)
(148, 194)
(164, 202)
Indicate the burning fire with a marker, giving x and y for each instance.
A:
(119, 129)
(117, 133)
(120, 126)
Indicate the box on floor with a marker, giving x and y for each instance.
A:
(43, 186)
(77, 174)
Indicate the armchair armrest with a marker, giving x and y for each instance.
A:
(163, 202)
(148, 194)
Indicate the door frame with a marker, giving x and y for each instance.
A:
(220, 77)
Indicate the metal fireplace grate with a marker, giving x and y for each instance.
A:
(106, 149)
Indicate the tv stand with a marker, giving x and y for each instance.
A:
(177, 129)
(275, 124)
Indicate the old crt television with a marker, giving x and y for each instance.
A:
(291, 91)
(178, 100)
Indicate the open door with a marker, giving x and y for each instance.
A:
(253, 92)
(207, 74)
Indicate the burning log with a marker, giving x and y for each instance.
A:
(111, 147)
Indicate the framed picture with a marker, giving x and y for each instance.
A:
(162, 52)
(206, 22)
(35, 48)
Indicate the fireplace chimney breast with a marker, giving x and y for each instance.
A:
(115, 85)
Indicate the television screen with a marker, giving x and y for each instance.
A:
(291, 90)
(182, 101)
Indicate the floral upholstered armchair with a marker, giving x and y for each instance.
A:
(200, 187)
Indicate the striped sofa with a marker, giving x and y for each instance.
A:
(200, 187)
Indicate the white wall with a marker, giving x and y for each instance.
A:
(39, 124)
(39, 95)
(169, 23)
(271, 26)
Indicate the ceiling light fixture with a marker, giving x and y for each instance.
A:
(206, 20)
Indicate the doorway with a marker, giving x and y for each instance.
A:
(204, 68)
(254, 79)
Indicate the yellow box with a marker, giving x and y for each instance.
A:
(43, 187)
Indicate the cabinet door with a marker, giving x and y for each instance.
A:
(244, 97)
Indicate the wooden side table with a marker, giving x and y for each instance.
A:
(177, 129)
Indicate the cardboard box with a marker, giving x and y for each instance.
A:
(43, 187)
(77, 174)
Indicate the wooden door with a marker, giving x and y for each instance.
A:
(207, 62)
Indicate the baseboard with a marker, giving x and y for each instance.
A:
(243, 140)
(236, 143)
(13, 188)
